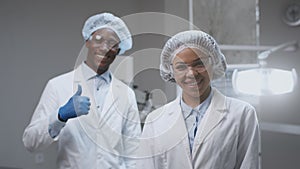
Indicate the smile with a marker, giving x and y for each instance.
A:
(100, 56)
(193, 83)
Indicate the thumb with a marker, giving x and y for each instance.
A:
(79, 91)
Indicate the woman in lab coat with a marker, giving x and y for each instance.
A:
(202, 128)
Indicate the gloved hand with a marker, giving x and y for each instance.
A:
(76, 106)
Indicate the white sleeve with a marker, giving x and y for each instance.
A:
(55, 126)
(36, 135)
(249, 140)
(147, 158)
(132, 128)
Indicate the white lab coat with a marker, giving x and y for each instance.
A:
(227, 137)
(97, 140)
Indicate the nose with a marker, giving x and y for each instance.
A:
(191, 72)
(103, 47)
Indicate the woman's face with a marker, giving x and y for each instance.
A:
(192, 72)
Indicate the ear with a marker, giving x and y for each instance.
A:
(118, 51)
(87, 43)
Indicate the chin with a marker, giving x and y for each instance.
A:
(197, 92)
(101, 68)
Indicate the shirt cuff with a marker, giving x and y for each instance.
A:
(55, 127)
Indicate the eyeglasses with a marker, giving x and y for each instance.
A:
(110, 43)
(199, 65)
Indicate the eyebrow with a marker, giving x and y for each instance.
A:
(180, 62)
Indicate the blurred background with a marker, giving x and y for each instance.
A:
(42, 39)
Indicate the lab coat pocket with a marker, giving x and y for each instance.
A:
(111, 127)
(117, 144)
(113, 140)
(225, 148)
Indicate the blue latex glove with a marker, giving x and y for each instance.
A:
(76, 106)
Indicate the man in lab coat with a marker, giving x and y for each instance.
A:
(202, 128)
(90, 114)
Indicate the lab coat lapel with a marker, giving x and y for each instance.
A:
(111, 110)
(94, 123)
(179, 129)
(111, 101)
(213, 116)
(89, 119)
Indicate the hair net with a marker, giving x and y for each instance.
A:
(191, 39)
(107, 20)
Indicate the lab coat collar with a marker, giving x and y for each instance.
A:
(212, 118)
(174, 130)
(89, 73)
(111, 97)
(187, 110)
(217, 103)
(94, 122)
(90, 120)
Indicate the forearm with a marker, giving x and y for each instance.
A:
(36, 136)
(44, 121)
(55, 126)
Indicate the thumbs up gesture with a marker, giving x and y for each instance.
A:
(76, 106)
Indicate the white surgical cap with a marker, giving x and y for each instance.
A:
(191, 39)
(107, 20)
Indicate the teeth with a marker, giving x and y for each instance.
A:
(100, 56)
(193, 83)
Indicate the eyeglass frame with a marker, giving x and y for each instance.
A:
(202, 68)
(112, 44)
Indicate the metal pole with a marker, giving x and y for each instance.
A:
(191, 17)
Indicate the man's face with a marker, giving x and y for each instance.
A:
(103, 46)
(192, 70)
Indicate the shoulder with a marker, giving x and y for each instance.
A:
(235, 108)
(162, 112)
(243, 112)
(118, 82)
(230, 103)
(235, 103)
(61, 83)
(62, 77)
(163, 120)
(121, 86)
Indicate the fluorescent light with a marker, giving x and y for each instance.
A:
(264, 81)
